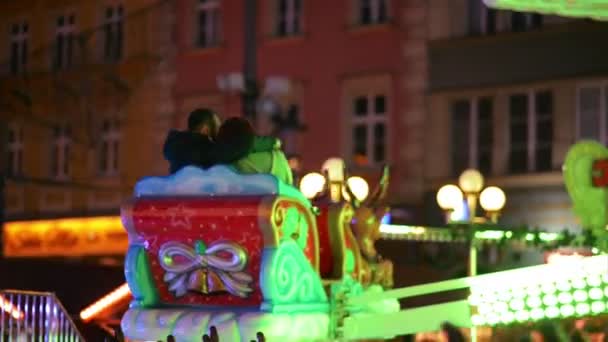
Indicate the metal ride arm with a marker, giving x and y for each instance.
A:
(490, 290)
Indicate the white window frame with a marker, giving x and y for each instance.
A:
(117, 18)
(292, 15)
(603, 109)
(112, 138)
(375, 12)
(531, 123)
(212, 27)
(15, 147)
(369, 120)
(21, 38)
(62, 142)
(473, 130)
(67, 30)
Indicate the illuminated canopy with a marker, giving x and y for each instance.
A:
(595, 9)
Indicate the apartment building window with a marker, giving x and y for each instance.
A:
(208, 23)
(14, 150)
(289, 17)
(289, 127)
(531, 132)
(109, 153)
(592, 113)
(472, 135)
(373, 12)
(60, 155)
(65, 34)
(19, 47)
(369, 131)
(113, 34)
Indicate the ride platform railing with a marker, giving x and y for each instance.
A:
(35, 316)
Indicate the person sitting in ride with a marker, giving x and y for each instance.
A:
(198, 145)
(238, 132)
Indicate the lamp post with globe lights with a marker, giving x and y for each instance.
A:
(333, 180)
(470, 188)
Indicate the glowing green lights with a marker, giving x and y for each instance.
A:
(596, 293)
(551, 312)
(580, 295)
(534, 302)
(598, 307)
(564, 298)
(550, 300)
(582, 309)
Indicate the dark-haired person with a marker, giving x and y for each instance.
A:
(194, 146)
(264, 154)
(451, 333)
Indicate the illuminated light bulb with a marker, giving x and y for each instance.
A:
(537, 314)
(477, 320)
(552, 312)
(492, 199)
(504, 296)
(566, 310)
(564, 298)
(492, 319)
(580, 295)
(474, 299)
(517, 304)
(598, 307)
(582, 309)
(501, 307)
(312, 184)
(522, 315)
(359, 188)
(484, 309)
(548, 288)
(518, 293)
(550, 300)
(507, 317)
(533, 291)
(579, 283)
(594, 281)
(449, 197)
(595, 293)
(563, 285)
(534, 302)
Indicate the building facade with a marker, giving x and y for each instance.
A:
(351, 72)
(509, 93)
(85, 102)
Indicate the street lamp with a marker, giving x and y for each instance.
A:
(492, 199)
(470, 187)
(334, 179)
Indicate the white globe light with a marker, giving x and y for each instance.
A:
(335, 169)
(311, 184)
(492, 199)
(358, 186)
(449, 197)
(471, 181)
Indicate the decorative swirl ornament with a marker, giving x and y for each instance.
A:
(288, 278)
(203, 270)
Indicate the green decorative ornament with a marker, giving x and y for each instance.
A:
(589, 202)
(200, 247)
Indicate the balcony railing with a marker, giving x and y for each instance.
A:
(35, 316)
